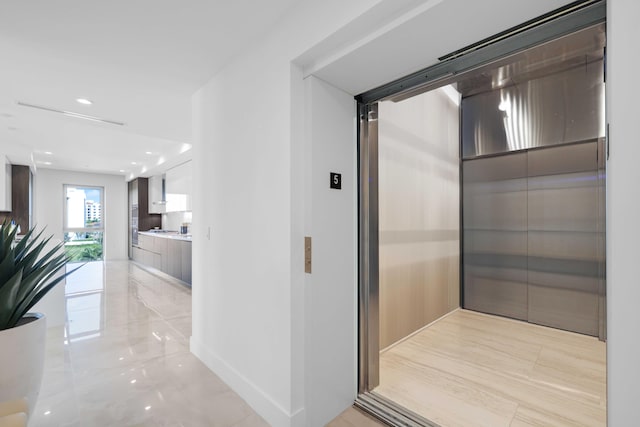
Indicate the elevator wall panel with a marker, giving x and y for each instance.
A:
(495, 235)
(418, 213)
(533, 237)
(563, 237)
(563, 107)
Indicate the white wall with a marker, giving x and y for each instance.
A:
(248, 283)
(173, 220)
(623, 205)
(48, 205)
(330, 219)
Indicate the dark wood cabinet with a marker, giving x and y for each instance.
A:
(139, 195)
(21, 197)
(139, 217)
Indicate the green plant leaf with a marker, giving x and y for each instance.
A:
(8, 295)
(27, 272)
(31, 281)
(35, 296)
(7, 269)
(27, 242)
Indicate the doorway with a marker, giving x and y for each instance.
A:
(83, 226)
(482, 237)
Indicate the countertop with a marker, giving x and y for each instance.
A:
(167, 234)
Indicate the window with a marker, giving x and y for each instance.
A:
(83, 223)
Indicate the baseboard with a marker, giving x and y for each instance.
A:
(414, 333)
(263, 404)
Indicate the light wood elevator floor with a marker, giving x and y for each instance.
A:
(472, 369)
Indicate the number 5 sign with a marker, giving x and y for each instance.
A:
(335, 180)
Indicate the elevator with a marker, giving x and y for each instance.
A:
(533, 186)
(482, 197)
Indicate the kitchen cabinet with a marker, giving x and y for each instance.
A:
(137, 255)
(145, 242)
(185, 250)
(5, 184)
(174, 258)
(149, 252)
(139, 196)
(168, 254)
(178, 188)
(139, 217)
(21, 197)
(160, 247)
(157, 204)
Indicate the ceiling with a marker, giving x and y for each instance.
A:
(138, 62)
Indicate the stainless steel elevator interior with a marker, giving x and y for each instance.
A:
(489, 195)
(517, 147)
(533, 185)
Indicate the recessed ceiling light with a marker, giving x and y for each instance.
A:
(134, 163)
(83, 101)
(148, 152)
(121, 170)
(43, 163)
(48, 152)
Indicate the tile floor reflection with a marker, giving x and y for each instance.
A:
(123, 359)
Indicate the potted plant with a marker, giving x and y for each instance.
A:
(27, 272)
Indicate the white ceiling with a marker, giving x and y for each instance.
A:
(139, 62)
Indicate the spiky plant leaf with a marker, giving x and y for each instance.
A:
(27, 272)
(8, 295)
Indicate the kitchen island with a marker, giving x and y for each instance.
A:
(167, 251)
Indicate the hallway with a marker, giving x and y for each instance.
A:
(123, 357)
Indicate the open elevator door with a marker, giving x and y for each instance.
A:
(575, 168)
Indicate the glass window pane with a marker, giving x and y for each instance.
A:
(84, 207)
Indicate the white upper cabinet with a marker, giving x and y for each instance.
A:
(157, 203)
(178, 183)
(5, 184)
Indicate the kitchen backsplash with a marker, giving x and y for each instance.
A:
(173, 220)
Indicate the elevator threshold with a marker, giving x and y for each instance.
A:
(474, 369)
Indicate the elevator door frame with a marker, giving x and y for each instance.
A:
(550, 26)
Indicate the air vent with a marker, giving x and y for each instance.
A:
(71, 114)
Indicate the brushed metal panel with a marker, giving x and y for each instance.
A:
(560, 278)
(563, 203)
(495, 241)
(368, 302)
(568, 309)
(495, 235)
(419, 208)
(534, 246)
(563, 160)
(563, 221)
(602, 291)
(495, 168)
(501, 291)
(561, 244)
(555, 109)
(496, 210)
(413, 294)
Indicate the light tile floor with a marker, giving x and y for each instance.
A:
(473, 369)
(123, 358)
(353, 417)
